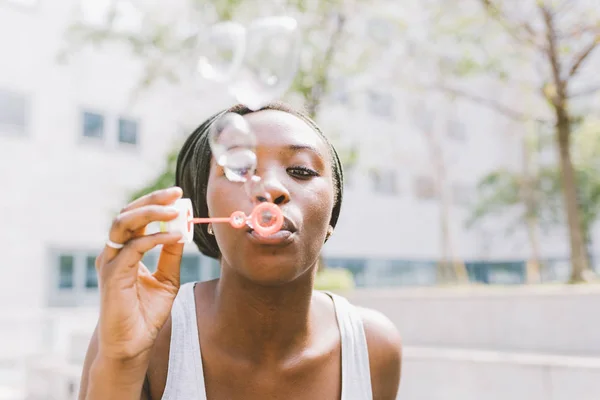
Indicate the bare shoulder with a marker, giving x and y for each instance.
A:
(385, 353)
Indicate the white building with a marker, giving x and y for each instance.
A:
(74, 143)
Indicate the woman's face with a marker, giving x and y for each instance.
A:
(295, 166)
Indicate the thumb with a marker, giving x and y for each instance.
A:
(168, 268)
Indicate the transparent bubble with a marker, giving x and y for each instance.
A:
(239, 164)
(231, 132)
(222, 50)
(270, 61)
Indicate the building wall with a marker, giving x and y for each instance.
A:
(61, 189)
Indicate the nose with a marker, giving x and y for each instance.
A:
(272, 189)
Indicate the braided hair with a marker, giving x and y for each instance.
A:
(193, 168)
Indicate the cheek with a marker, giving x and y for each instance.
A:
(224, 197)
(319, 206)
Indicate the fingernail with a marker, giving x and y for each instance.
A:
(172, 209)
(174, 190)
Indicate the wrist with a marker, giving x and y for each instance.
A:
(117, 378)
(135, 364)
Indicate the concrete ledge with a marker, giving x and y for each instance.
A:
(443, 373)
(497, 357)
(552, 319)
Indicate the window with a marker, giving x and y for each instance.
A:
(190, 268)
(128, 130)
(383, 181)
(65, 272)
(91, 277)
(380, 104)
(13, 112)
(424, 187)
(93, 125)
(75, 279)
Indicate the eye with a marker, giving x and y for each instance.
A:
(302, 172)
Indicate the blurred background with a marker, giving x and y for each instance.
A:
(470, 137)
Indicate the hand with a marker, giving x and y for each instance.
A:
(134, 303)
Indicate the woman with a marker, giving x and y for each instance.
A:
(260, 331)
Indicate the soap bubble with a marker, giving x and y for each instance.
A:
(222, 50)
(230, 132)
(233, 143)
(239, 164)
(270, 61)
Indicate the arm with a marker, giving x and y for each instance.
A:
(385, 354)
(134, 303)
(103, 378)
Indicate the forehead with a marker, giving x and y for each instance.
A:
(274, 128)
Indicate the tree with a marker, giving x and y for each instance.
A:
(432, 124)
(538, 47)
(532, 198)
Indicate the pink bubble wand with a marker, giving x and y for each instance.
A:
(265, 219)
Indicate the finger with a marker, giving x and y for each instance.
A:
(168, 269)
(128, 224)
(161, 197)
(127, 260)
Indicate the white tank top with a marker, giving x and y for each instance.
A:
(185, 377)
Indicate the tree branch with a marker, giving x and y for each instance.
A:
(490, 104)
(552, 54)
(320, 87)
(584, 55)
(494, 11)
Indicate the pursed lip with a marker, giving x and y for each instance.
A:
(283, 237)
(280, 238)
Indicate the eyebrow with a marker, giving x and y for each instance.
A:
(300, 147)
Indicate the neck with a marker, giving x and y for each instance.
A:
(261, 323)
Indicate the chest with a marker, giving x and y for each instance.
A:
(317, 379)
(315, 375)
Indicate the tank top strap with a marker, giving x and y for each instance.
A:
(185, 376)
(356, 372)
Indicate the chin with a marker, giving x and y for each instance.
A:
(272, 270)
(270, 261)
